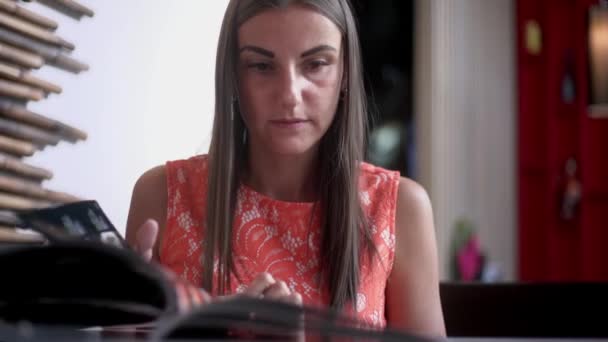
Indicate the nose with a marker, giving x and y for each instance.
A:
(290, 89)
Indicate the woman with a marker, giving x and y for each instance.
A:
(283, 207)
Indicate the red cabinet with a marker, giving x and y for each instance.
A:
(554, 127)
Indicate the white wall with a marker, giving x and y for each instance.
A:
(465, 107)
(148, 97)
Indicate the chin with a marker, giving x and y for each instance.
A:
(292, 148)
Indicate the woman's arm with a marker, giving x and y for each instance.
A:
(412, 293)
(148, 202)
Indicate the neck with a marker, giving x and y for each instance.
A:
(289, 178)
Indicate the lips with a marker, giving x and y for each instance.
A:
(289, 123)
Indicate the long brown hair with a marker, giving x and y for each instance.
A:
(343, 226)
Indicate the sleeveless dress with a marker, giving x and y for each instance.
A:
(281, 238)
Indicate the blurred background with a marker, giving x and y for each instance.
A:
(497, 107)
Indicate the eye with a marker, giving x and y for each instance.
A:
(316, 65)
(260, 66)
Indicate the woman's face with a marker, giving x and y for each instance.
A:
(290, 76)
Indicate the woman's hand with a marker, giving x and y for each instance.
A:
(188, 295)
(148, 213)
(267, 287)
(145, 238)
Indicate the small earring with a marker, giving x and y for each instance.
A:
(233, 107)
(343, 93)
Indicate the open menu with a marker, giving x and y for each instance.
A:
(80, 282)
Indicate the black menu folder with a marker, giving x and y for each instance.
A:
(84, 275)
(76, 221)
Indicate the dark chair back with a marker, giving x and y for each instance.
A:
(525, 309)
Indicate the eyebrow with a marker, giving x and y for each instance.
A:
(259, 50)
(270, 54)
(318, 49)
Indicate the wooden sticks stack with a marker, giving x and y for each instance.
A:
(29, 41)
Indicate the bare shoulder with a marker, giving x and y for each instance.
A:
(412, 199)
(415, 244)
(413, 301)
(414, 216)
(148, 201)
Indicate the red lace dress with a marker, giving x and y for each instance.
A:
(281, 238)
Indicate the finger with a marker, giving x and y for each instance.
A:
(147, 234)
(168, 273)
(198, 296)
(277, 291)
(182, 289)
(183, 300)
(294, 298)
(146, 238)
(204, 296)
(259, 285)
(226, 297)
